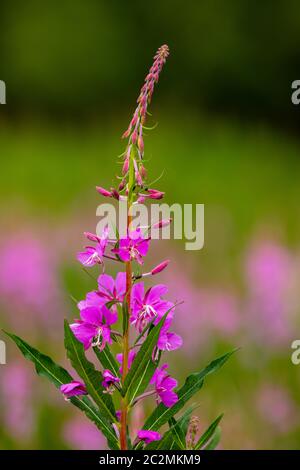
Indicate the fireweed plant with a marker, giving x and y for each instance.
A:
(107, 396)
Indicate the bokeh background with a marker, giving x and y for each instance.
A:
(227, 137)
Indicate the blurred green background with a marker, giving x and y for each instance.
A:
(227, 137)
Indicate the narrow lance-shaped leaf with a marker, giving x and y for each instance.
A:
(107, 360)
(46, 367)
(174, 438)
(178, 432)
(91, 377)
(143, 366)
(193, 384)
(214, 440)
(208, 433)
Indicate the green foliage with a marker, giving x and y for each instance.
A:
(107, 360)
(136, 382)
(46, 367)
(214, 440)
(206, 436)
(143, 366)
(174, 438)
(91, 377)
(193, 384)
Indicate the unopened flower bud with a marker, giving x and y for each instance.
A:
(141, 144)
(160, 267)
(126, 133)
(134, 136)
(138, 178)
(103, 191)
(162, 223)
(91, 236)
(134, 119)
(125, 166)
(143, 171)
(115, 193)
(155, 194)
(122, 185)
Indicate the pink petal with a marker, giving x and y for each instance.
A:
(168, 398)
(92, 300)
(89, 257)
(154, 293)
(84, 332)
(106, 284)
(121, 285)
(91, 315)
(169, 383)
(169, 342)
(137, 293)
(143, 247)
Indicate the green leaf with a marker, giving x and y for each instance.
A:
(214, 441)
(208, 433)
(193, 384)
(144, 331)
(174, 438)
(179, 431)
(46, 367)
(107, 360)
(143, 366)
(91, 377)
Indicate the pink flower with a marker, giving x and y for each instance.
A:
(94, 255)
(109, 378)
(131, 357)
(149, 306)
(148, 436)
(93, 299)
(164, 385)
(95, 323)
(167, 340)
(133, 247)
(73, 389)
(111, 290)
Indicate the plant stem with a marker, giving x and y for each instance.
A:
(124, 404)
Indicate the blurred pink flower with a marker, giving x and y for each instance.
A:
(16, 395)
(270, 271)
(28, 281)
(277, 408)
(210, 311)
(80, 434)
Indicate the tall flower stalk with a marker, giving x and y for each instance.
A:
(107, 396)
(133, 169)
